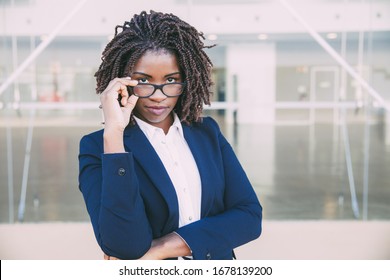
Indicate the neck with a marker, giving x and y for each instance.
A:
(164, 124)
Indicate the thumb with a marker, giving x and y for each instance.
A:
(131, 102)
(129, 106)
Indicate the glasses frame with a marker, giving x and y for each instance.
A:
(156, 87)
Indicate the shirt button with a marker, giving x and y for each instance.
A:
(190, 218)
(163, 142)
(208, 256)
(121, 171)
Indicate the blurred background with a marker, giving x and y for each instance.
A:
(302, 92)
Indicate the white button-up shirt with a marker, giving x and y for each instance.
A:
(180, 164)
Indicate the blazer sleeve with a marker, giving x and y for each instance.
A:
(238, 224)
(111, 192)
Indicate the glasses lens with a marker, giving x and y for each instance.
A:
(173, 89)
(143, 90)
(146, 90)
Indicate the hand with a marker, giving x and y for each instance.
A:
(153, 253)
(109, 258)
(116, 118)
(168, 246)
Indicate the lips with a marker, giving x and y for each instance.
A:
(156, 110)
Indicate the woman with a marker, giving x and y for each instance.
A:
(160, 181)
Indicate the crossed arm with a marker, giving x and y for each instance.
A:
(168, 246)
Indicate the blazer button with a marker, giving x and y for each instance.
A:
(121, 171)
(208, 256)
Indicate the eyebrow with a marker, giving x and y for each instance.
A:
(174, 73)
(144, 74)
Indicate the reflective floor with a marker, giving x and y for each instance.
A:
(298, 171)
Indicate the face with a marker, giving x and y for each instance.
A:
(156, 67)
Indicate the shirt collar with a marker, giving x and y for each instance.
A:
(149, 130)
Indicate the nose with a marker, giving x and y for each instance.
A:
(158, 96)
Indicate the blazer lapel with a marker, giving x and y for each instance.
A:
(143, 152)
(193, 139)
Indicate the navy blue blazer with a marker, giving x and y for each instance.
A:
(131, 200)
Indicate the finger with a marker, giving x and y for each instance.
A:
(123, 90)
(111, 84)
(129, 106)
(131, 102)
(106, 257)
(111, 95)
(124, 94)
(128, 81)
(116, 84)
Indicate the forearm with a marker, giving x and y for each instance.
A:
(111, 192)
(123, 224)
(216, 236)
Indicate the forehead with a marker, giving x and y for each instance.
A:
(157, 59)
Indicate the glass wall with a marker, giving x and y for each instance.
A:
(319, 149)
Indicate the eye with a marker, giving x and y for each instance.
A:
(171, 80)
(143, 80)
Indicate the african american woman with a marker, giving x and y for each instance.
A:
(160, 181)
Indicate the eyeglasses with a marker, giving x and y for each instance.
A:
(147, 90)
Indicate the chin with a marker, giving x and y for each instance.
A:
(155, 120)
